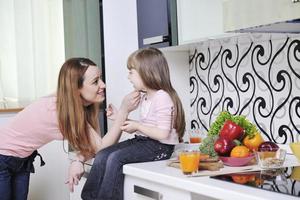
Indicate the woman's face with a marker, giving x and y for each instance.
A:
(136, 80)
(93, 87)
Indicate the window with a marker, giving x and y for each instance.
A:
(31, 51)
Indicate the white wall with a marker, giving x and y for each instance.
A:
(179, 71)
(120, 39)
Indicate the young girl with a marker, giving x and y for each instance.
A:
(71, 114)
(161, 126)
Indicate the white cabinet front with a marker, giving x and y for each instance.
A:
(139, 189)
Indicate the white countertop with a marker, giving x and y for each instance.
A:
(159, 172)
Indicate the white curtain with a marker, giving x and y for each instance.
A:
(31, 49)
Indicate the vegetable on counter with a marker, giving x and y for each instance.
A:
(226, 131)
(240, 152)
(207, 145)
(223, 146)
(242, 121)
(253, 142)
(231, 131)
(218, 123)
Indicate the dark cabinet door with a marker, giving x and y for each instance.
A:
(157, 23)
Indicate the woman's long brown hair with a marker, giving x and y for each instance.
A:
(74, 118)
(153, 68)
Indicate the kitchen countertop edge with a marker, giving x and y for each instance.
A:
(159, 172)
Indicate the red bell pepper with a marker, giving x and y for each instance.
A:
(223, 146)
(231, 131)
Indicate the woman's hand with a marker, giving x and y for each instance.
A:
(111, 112)
(76, 171)
(130, 126)
(131, 101)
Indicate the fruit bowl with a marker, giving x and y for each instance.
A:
(236, 162)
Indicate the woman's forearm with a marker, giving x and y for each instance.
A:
(114, 133)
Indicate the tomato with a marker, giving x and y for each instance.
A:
(254, 142)
(240, 152)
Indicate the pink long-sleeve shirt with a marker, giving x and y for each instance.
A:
(33, 127)
(159, 112)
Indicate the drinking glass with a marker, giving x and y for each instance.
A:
(195, 136)
(189, 161)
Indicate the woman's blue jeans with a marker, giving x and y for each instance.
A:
(106, 178)
(14, 176)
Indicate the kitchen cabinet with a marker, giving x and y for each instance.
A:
(157, 24)
(262, 16)
(164, 23)
(199, 20)
(139, 189)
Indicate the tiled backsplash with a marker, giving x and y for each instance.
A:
(253, 75)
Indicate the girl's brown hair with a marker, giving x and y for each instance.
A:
(153, 68)
(74, 118)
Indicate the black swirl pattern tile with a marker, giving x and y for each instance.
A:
(259, 79)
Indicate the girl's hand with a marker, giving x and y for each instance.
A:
(111, 112)
(131, 101)
(76, 171)
(130, 126)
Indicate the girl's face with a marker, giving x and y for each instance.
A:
(136, 80)
(93, 87)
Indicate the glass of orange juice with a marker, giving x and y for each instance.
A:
(195, 136)
(189, 161)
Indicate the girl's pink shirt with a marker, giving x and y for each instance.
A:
(159, 112)
(30, 129)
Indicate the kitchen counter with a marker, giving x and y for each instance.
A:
(207, 188)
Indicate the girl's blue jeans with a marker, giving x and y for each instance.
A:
(14, 176)
(106, 179)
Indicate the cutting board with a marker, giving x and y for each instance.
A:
(210, 165)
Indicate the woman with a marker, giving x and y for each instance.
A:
(71, 114)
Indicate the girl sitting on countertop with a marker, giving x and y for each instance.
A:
(161, 126)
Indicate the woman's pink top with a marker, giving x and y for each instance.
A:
(159, 112)
(30, 129)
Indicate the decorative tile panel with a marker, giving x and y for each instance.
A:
(254, 75)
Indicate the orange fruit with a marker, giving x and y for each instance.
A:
(240, 152)
(241, 179)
